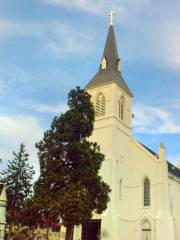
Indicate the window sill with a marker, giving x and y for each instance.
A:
(146, 207)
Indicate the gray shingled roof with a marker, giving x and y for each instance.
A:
(111, 74)
(173, 170)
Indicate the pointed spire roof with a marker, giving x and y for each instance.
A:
(110, 50)
(110, 73)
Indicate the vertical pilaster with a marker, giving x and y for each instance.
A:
(2, 213)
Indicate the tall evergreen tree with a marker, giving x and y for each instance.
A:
(18, 181)
(69, 185)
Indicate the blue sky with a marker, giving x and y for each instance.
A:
(48, 47)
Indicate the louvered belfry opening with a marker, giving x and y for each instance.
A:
(100, 105)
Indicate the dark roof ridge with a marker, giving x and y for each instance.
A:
(149, 150)
(174, 170)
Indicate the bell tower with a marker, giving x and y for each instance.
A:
(112, 128)
(110, 94)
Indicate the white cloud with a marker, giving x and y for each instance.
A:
(92, 6)
(154, 120)
(171, 44)
(56, 38)
(6, 28)
(57, 108)
(155, 36)
(17, 129)
(12, 76)
(159, 28)
(59, 39)
(14, 73)
(99, 7)
(15, 28)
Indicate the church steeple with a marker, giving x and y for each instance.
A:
(109, 70)
(110, 51)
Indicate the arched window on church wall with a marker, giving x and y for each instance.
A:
(146, 185)
(121, 108)
(100, 105)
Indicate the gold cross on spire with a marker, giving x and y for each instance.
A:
(111, 17)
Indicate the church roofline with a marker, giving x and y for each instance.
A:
(171, 168)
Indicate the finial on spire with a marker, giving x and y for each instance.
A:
(111, 17)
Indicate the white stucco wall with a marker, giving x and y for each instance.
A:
(174, 203)
(128, 161)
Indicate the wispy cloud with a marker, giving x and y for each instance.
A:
(98, 7)
(169, 103)
(156, 24)
(56, 38)
(60, 39)
(15, 81)
(57, 108)
(7, 28)
(171, 44)
(159, 31)
(154, 120)
(15, 28)
(93, 6)
(17, 129)
(15, 73)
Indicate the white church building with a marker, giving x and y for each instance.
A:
(145, 197)
(3, 202)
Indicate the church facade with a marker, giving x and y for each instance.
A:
(145, 197)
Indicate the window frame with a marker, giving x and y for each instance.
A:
(100, 105)
(104, 63)
(146, 192)
(146, 227)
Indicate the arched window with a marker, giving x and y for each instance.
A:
(121, 108)
(146, 230)
(146, 192)
(100, 105)
(104, 63)
(120, 189)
